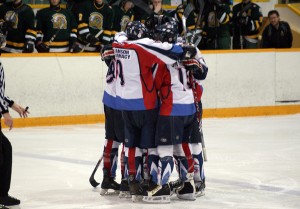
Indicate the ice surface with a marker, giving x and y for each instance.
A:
(253, 163)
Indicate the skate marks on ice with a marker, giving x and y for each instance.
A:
(253, 164)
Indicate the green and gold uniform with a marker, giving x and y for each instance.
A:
(246, 21)
(121, 18)
(21, 18)
(57, 28)
(93, 18)
(216, 26)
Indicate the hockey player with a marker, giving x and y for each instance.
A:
(199, 69)
(136, 61)
(114, 127)
(123, 14)
(56, 29)
(216, 25)
(17, 21)
(94, 17)
(246, 21)
(173, 130)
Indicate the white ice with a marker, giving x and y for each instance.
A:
(253, 163)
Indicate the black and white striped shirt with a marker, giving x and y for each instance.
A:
(5, 101)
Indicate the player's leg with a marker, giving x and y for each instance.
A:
(133, 153)
(195, 140)
(110, 152)
(185, 160)
(159, 191)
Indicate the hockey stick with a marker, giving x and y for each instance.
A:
(142, 5)
(187, 11)
(96, 36)
(193, 83)
(55, 34)
(92, 180)
(198, 22)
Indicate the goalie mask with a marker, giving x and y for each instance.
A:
(167, 32)
(136, 30)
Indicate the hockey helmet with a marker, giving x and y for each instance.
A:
(167, 32)
(154, 21)
(136, 30)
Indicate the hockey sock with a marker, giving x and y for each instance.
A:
(165, 163)
(133, 162)
(198, 160)
(184, 160)
(152, 162)
(110, 157)
(122, 160)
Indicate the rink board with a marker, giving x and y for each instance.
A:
(68, 88)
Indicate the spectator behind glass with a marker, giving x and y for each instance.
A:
(216, 28)
(246, 21)
(17, 21)
(56, 29)
(277, 34)
(156, 7)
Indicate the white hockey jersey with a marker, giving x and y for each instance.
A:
(135, 63)
(175, 92)
(109, 96)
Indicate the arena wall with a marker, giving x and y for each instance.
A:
(68, 88)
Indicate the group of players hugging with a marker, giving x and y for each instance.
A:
(151, 101)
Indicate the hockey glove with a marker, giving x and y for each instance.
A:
(189, 52)
(7, 26)
(29, 47)
(75, 48)
(42, 48)
(192, 64)
(107, 54)
(199, 71)
(91, 39)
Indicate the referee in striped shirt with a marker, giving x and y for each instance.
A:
(5, 145)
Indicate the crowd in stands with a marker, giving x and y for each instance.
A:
(87, 25)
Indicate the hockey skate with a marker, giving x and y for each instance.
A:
(200, 188)
(124, 189)
(157, 194)
(175, 185)
(187, 192)
(135, 189)
(109, 186)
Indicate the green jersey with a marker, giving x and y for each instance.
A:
(246, 19)
(57, 28)
(21, 17)
(121, 18)
(216, 20)
(93, 18)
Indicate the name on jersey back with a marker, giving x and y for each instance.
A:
(122, 53)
